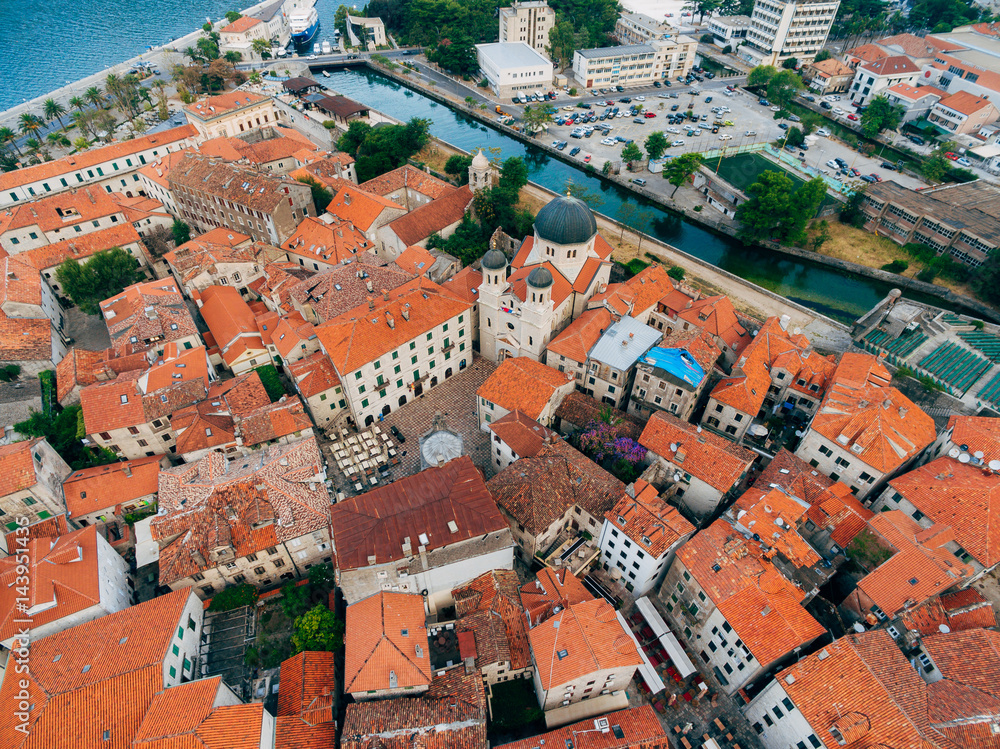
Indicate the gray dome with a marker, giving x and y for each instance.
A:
(540, 278)
(494, 260)
(566, 220)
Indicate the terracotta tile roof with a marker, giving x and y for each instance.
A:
(880, 425)
(314, 374)
(762, 606)
(919, 568)
(263, 191)
(216, 106)
(432, 217)
(151, 312)
(962, 496)
(176, 366)
(523, 384)
(958, 611)
(325, 168)
(321, 294)
(375, 524)
(699, 344)
(227, 315)
(980, 433)
(965, 102)
(307, 702)
(271, 422)
(582, 639)
(52, 528)
(831, 67)
(106, 487)
(489, 608)
(246, 504)
(81, 247)
(411, 178)
(205, 253)
(775, 517)
(581, 410)
(650, 522)
(915, 92)
(911, 44)
(241, 24)
(65, 580)
(332, 243)
(450, 715)
(213, 421)
(579, 337)
(25, 340)
(634, 728)
(867, 52)
(386, 636)
(359, 207)
(81, 161)
(856, 370)
(71, 208)
(20, 282)
(81, 367)
(889, 65)
(537, 490)
(648, 287)
(517, 282)
(464, 285)
(706, 456)
(713, 314)
(552, 588)
(523, 435)
(415, 260)
(362, 335)
(17, 467)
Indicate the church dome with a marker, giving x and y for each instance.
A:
(540, 278)
(494, 260)
(566, 220)
(479, 161)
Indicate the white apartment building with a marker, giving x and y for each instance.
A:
(638, 28)
(634, 64)
(729, 31)
(780, 30)
(874, 78)
(514, 67)
(33, 475)
(529, 22)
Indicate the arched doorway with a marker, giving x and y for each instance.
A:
(386, 410)
(447, 373)
(434, 381)
(461, 365)
(418, 389)
(402, 400)
(369, 420)
(503, 354)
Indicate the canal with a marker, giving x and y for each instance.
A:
(840, 295)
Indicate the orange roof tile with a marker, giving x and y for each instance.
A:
(222, 727)
(965, 102)
(290, 334)
(706, 456)
(582, 639)
(958, 611)
(307, 702)
(25, 339)
(241, 24)
(971, 658)
(551, 589)
(522, 434)
(489, 608)
(980, 433)
(523, 384)
(359, 207)
(714, 314)
(17, 467)
(579, 337)
(106, 487)
(650, 522)
(151, 313)
(775, 517)
(464, 285)
(221, 104)
(411, 178)
(81, 246)
(283, 418)
(648, 287)
(561, 287)
(314, 374)
(83, 367)
(415, 260)
(362, 335)
(433, 217)
(634, 728)
(227, 315)
(386, 635)
(333, 243)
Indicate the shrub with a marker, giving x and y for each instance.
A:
(233, 598)
(677, 273)
(927, 275)
(896, 266)
(134, 517)
(697, 209)
(929, 383)
(728, 49)
(271, 381)
(252, 656)
(10, 372)
(977, 324)
(330, 125)
(636, 266)
(707, 39)
(904, 371)
(572, 92)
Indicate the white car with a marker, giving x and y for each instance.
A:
(555, 143)
(824, 132)
(640, 98)
(775, 109)
(663, 96)
(677, 143)
(672, 130)
(725, 136)
(838, 111)
(832, 98)
(749, 133)
(620, 115)
(609, 142)
(729, 93)
(569, 107)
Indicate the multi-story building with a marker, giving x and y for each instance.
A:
(210, 193)
(234, 328)
(517, 436)
(718, 589)
(440, 218)
(977, 433)
(872, 79)
(365, 211)
(829, 76)
(639, 537)
(569, 350)
(408, 186)
(429, 532)
(105, 494)
(220, 257)
(327, 168)
(638, 28)
(31, 319)
(715, 315)
(325, 296)
(528, 21)
(702, 468)
(31, 488)
(488, 610)
(963, 113)
(147, 317)
(729, 31)
(916, 101)
(75, 578)
(622, 729)
(672, 376)
(307, 701)
(558, 490)
(956, 219)
(783, 29)
(396, 347)
(317, 382)
(259, 521)
(239, 36)
(111, 168)
(635, 64)
(231, 113)
(522, 384)
(513, 68)
(386, 653)
(369, 32)
(323, 245)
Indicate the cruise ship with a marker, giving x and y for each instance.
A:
(303, 25)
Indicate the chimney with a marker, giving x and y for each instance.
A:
(390, 319)
(371, 303)
(783, 321)
(385, 295)
(406, 312)
(127, 470)
(369, 286)
(902, 412)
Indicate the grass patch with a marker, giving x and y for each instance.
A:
(274, 637)
(514, 705)
(635, 266)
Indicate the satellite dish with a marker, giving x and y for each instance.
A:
(995, 465)
(673, 447)
(953, 453)
(978, 455)
(944, 629)
(859, 627)
(964, 458)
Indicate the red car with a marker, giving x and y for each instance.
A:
(852, 117)
(650, 114)
(952, 156)
(586, 159)
(875, 177)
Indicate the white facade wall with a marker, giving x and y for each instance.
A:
(181, 658)
(777, 725)
(508, 79)
(601, 682)
(45, 498)
(529, 22)
(641, 570)
(259, 115)
(832, 460)
(726, 420)
(867, 85)
(780, 30)
(699, 497)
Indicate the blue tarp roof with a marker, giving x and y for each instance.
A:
(677, 362)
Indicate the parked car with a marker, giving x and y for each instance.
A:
(951, 155)
(867, 178)
(783, 125)
(677, 143)
(794, 118)
(562, 145)
(725, 136)
(824, 132)
(887, 165)
(674, 107)
(587, 158)
(609, 142)
(826, 105)
(708, 99)
(963, 161)
(874, 175)
(673, 130)
(749, 133)
(575, 151)
(852, 117)
(639, 120)
(639, 181)
(915, 139)
(649, 115)
(833, 164)
(656, 84)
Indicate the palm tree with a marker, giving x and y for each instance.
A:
(81, 144)
(30, 123)
(33, 145)
(58, 140)
(94, 96)
(77, 103)
(54, 109)
(9, 136)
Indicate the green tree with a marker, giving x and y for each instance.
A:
(458, 166)
(63, 429)
(823, 54)
(536, 116)
(783, 87)
(678, 171)
(562, 42)
(769, 200)
(261, 48)
(233, 57)
(456, 54)
(701, 8)
(181, 232)
(9, 138)
(94, 96)
(81, 144)
(935, 166)
(77, 103)
(380, 150)
(851, 213)
(761, 75)
(340, 23)
(631, 153)
(880, 115)
(320, 195)
(656, 144)
(30, 124)
(317, 629)
(513, 177)
(102, 276)
(58, 140)
(804, 204)
(791, 63)
(795, 137)
(232, 16)
(54, 110)
(593, 20)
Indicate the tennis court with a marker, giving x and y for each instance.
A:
(742, 170)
